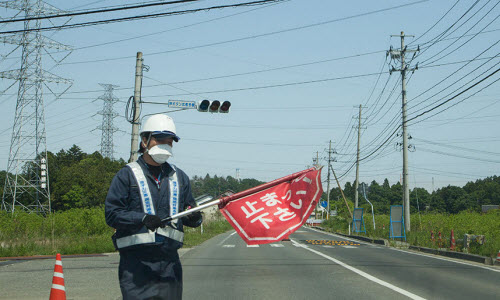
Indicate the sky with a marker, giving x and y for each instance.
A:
(295, 73)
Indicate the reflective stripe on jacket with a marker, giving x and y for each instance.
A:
(124, 209)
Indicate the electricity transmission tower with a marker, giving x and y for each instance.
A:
(27, 179)
(108, 116)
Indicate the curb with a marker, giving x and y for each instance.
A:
(457, 255)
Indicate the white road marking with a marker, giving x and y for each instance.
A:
(346, 246)
(228, 246)
(277, 245)
(300, 231)
(450, 260)
(359, 272)
(222, 242)
(327, 246)
(252, 246)
(409, 252)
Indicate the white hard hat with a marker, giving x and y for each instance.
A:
(160, 125)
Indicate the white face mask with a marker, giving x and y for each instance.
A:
(160, 153)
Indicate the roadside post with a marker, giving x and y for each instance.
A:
(358, 223)
(364, 188)
(397, 227)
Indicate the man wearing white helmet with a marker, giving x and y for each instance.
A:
(140, 196)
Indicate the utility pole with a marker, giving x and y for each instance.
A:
(357, 161)
(136, 108)
(328, 182)
(330, 159)
(400, 54)
(316, 164)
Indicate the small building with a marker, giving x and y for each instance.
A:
(485, 208)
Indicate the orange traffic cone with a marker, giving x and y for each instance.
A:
(452, 241)
(440, 240)
(498, 257)
(58, 292)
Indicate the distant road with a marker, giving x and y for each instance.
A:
(313, 265)
(336, 268)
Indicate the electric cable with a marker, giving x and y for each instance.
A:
(96, 11)
(139, 17)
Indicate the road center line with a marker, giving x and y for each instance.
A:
(359, 272)
(227, 237)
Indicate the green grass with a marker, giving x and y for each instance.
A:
(421, 226)
(77, 231)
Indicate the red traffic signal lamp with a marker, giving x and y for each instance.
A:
(224, 108)
(213, 106)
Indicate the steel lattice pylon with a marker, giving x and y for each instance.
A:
(108, 115)
(27, 179)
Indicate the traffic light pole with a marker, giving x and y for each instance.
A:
(134, 144)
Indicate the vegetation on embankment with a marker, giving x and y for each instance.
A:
(75, 231)
(422, 224)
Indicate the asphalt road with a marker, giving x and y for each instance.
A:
(317, 265)
(313, 265)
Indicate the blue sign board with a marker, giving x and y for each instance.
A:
(358, 223)
(323, 204)
(397, 222)
(181, 104)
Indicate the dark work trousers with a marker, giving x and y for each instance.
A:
(150, 273)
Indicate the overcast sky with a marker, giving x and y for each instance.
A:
(295, 72)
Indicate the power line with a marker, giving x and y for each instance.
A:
(437, 22)
(271, 86)
(455, 96)
(258, 35)
(96, 11)
(140, 17)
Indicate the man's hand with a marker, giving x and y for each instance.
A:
(151, 222)
(193, 220)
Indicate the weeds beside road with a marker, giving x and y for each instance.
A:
(76, 231)
(421, 226)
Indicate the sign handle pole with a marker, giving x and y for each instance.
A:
(238, 195)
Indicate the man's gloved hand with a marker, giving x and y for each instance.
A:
(193, 220)
(151, 222)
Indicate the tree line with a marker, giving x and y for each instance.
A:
(81, 180)
(449, 199)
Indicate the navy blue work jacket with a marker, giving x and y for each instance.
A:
(123, 206)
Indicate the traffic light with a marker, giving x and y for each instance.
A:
(224, 108)
(203, 105)
(214, 106)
